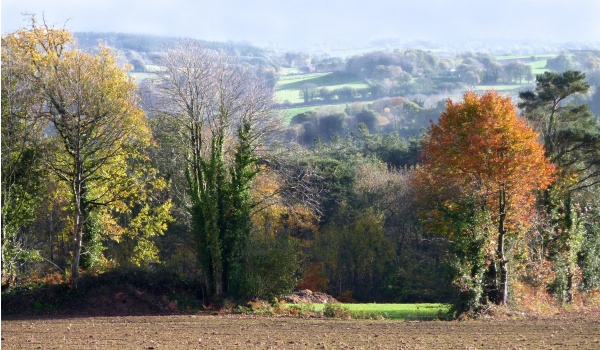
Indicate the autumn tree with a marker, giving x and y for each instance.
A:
(97, 136)
(481, 166)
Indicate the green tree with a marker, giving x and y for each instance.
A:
(470, 72)
(595, 102)
(546, 109)
(221, 113)
(369, 118)
(492, 73)
(308, 116)
(571, 136)
(330, 125)
(517, 71)
(356, 253)
(309, 92)
(326, 94)
(560, 63)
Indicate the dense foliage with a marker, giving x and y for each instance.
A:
(386, 198)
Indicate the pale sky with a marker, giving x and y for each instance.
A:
(294, 23)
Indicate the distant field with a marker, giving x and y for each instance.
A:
(291, 96)
(288, 81)
(539, 67)
(289, 86)
(537, 62)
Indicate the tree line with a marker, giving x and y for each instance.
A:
(193, 172)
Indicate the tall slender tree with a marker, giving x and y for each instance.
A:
(222, 112)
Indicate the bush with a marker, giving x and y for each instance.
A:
(271, 268)
(336, 310)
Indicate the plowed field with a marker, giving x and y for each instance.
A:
(572, 331)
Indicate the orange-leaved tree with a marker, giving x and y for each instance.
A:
(483, 163)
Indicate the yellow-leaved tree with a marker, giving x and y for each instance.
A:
(96, 142)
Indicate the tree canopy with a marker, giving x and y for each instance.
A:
(97, 138)
(481, 157)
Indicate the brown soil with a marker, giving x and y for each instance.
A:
(569, 331)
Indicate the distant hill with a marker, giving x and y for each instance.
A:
(141, 49)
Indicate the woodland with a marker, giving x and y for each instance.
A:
(175, 160)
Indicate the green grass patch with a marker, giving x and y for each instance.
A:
(289, 87)
(331, 80)
(538, 67)
(291, 96)
(395, 311)
(297, 78)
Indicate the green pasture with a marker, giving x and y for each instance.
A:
(284, 80)
(289, 86)
(396, 311)
(330, 80)
(537, 62)
(538, 67)
(291, 96)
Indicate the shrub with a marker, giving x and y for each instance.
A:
(336, 310)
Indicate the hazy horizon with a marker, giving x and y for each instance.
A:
(299, 24)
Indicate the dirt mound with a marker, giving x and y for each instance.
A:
(309, 297)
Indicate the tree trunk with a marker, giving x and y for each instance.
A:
(570, 277)
(77, 243)
(79, 224)
(219, 288)
(503, 298)
(503, 285)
